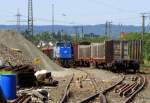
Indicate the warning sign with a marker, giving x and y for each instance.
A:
(36, 61)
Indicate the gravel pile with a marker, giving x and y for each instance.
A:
(13, 39)
(14, 57)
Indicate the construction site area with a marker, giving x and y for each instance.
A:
(75, 62)
(41, 80)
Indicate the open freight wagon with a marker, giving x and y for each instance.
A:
(118, 55)
(82, 54)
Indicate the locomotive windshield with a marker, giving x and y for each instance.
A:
(64, 44)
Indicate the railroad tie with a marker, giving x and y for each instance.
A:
(121, 92)
(132, 90)
(128, 90)
(117, 88)
(122, 88)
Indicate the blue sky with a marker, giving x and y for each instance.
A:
(77, 11)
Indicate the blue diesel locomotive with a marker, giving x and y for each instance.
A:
(64, 54)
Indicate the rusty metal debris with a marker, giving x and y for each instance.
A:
(23, 99)
(43, 96)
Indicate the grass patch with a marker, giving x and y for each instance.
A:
(145, 65)
(3, 72)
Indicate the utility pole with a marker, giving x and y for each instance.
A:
(143, 26)
(30, 17)
(18, 20)
(82, 32)
(106, 29)
(53, 19)
(121, 28)
(110, 29)
(76, 32)
(18, 15)
(144, 16)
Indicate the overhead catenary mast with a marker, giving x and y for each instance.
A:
(30, 17)
(82, 32)
(18, 15)
(144, 15)
(53, 18)
(18, 20)
(106, 29)
(110, 29)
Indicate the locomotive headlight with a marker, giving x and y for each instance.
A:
(65, 51)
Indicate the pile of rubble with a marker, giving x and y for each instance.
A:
(14, 56)
(17, 42)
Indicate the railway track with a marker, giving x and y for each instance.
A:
(89, 85)
(142, 83)
(67, 91)
(92, 79)
(126, 91)
(100, 94)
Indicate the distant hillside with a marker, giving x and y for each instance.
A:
(96, 29)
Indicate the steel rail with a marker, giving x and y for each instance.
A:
(87, 99)
(66, 91)
(138, 90)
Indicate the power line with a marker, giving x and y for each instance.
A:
(112, 6)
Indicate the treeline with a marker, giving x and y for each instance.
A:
(59, 36)
(146, 38)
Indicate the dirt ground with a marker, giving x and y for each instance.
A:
(104, 79)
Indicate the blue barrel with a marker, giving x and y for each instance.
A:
(8, 86)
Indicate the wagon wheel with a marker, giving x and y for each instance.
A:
(100, 66)
(114, 68)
